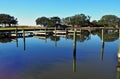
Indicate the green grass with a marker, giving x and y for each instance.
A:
(14, 28)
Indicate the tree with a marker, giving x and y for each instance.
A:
(7, 19)
(109, 20)
(94, 23)
(79, 20)
(42, 21)
(54, 21)
(67, 20)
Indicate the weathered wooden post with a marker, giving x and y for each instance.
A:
(55, 30)
(45, 31)
(80, 33)
(102, 49)
(55, 36)
(24, 40)
(16, 31)
(118, 66)
(119, 46)
(74, 51)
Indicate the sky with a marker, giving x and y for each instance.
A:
(27, 11)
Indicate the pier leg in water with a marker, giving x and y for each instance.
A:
(74, 51)
(45, 34)
(102, 49)
(55, 37)
(16, 42)
(118, 66)
(16, 31)
(24, 41)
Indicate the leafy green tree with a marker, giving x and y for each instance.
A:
(109, 20)
(54, 21)
(94, 23)
(67, 20)
(7, 19)
(42, 21)
(79, 20)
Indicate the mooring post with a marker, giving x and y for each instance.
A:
(119, 46)
(74, 51)
(55, 30)
(16, 31)
(103, 44)
(118, 66)
(24, 40)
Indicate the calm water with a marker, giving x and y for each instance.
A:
(61, 57)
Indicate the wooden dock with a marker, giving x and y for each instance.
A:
(46, 33)
(21, 34)
(60, 32)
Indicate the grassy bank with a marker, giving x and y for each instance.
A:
(18, 28)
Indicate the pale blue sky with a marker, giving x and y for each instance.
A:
(27, 11)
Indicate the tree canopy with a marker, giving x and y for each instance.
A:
(109, 20)
(6, 19)
(79, 20)
(48, 21)
(42, 21)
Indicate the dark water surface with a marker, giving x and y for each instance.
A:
(89, 57)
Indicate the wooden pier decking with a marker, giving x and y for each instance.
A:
(50, 31)
(42, 32)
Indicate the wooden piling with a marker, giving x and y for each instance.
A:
(74, 51)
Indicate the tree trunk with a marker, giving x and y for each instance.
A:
(9, 25)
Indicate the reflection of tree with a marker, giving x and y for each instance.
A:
(5, 40)
(85, 35)
(55, 38)
(109, 35)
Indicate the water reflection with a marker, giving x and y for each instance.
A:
(24, 41)
(16, 42)
(43, 59)
(55, 39)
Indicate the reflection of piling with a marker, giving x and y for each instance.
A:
(56, 41)
(16, 31)
(46, 40)
(102, 50)
(74, 51)
(16, 42)
(24, 40)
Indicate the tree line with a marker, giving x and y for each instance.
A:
(79, 20)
